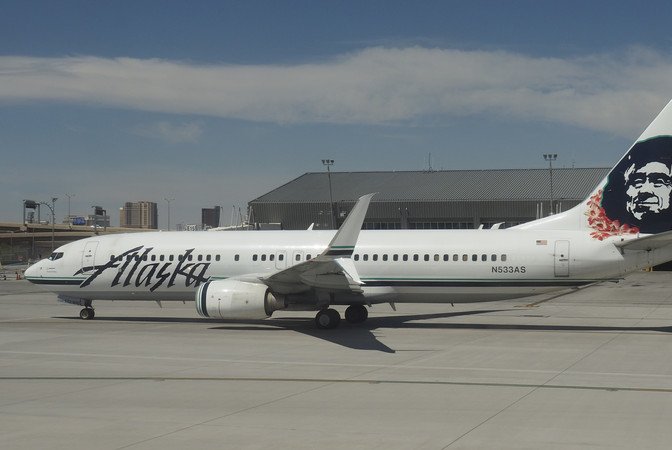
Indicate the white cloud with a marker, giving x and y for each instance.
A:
(616, 92)
(171, 133)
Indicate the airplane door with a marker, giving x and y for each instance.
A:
(89, 256)
(280, 260)
(561, 258)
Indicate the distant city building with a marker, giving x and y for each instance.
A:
(139, 215)
(210, 217)
(93, 220)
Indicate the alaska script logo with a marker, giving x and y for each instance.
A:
(133, 269)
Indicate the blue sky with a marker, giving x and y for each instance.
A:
(215, 103)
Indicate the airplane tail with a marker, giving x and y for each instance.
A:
(634, 198)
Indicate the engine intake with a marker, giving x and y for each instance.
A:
(234, 299)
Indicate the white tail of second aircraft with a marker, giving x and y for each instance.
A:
(634, 198)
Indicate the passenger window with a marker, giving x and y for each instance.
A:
(474, 257)
(208, 257)
(493, 257)
(200, 257)
(365, 257)
(271, 257)
(217, 257)
(395, 257)
(416, 257)
(52, 257)
(446, 257)
(254, 257)
(263, 257)
(503, 257)
(384, 257)
(191, 257)
(356, 257)
(171, 257)
(235, 258)
(405, 258)
(426, 257)
(297, 257)
(484, 257)
(465, 257)
(456, 257)
(281, 257)
(375, 257)
(162, 258)
(436, 257)
(308, 256)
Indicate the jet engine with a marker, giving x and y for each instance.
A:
(235, 299)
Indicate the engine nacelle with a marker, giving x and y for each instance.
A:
(234, 299)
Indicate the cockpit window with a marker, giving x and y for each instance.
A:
(56, 255)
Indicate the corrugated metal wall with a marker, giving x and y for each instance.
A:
(297, 216)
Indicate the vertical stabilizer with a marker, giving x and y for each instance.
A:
(635, 197)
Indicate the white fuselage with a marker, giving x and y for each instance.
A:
(395, 266)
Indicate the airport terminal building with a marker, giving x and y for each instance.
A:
(445, 199)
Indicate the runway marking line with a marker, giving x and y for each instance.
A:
(350, 381)
(325, 364)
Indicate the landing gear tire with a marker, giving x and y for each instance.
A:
(87, 314)
(327, 319)
(356, 313)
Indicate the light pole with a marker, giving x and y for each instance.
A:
(550, 157)
(52, 208)
(69, 197)
(329, 163)
(168, 200)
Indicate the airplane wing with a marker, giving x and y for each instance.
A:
(332, 270)
(647, 243)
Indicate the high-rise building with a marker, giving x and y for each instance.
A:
(210, 217)
(139, 215)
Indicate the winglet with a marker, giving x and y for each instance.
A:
(343, 243)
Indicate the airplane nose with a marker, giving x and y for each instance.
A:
(33, 271)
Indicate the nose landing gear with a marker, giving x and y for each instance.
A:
(87, 313)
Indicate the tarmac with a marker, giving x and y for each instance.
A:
(591, 369)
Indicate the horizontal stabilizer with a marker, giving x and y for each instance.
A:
(647, 243)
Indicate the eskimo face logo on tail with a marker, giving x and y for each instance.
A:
(638, 193)
(133, 268)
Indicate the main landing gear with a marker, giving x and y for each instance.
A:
(87, 313)
(330, 318)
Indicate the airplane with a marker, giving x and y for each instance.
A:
(623, 226)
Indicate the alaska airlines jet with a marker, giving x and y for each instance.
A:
(623, 226)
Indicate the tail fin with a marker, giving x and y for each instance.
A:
(635, 197)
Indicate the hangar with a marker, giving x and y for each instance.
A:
(444, 199)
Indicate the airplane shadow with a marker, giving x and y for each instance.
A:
(364, 336)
